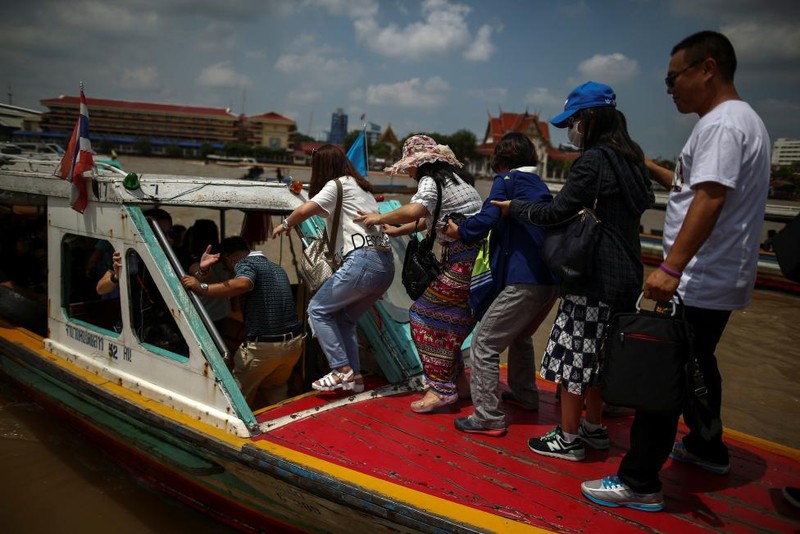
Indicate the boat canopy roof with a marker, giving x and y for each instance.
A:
(38, 178)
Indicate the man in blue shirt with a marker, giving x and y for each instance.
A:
(275, 338)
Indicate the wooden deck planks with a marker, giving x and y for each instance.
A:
(384, 439)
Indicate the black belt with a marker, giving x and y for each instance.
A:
(276, 338)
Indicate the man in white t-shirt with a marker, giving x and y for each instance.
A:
(712, 233)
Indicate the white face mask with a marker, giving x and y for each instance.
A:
(574, 136)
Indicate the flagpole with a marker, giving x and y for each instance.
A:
(366, 146)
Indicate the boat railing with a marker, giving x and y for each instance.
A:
(176, 265)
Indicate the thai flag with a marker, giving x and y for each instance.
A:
(78, 160)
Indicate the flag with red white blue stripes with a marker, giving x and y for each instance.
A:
(78, 160)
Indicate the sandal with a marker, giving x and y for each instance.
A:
(335, 380)
(431, 401)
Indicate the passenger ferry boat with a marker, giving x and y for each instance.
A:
(144, 375)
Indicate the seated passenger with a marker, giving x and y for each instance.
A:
(275, 338)
(108, 285)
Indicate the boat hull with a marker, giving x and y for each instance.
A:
(235, 481)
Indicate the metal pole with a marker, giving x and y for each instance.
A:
(173, 260)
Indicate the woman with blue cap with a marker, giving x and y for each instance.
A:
(610, 177)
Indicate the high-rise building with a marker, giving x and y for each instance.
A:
(338, 131)
(786, 151)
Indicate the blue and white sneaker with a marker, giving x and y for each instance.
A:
(610, 491)
(681, 454)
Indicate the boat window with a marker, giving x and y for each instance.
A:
(23, 267)
(85, 261)
(151, 320)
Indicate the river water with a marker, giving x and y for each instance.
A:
(55, 481)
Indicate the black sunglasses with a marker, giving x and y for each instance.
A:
(670, 79)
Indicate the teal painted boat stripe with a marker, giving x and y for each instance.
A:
(209, 349)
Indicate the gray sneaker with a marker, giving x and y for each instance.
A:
(597, 438)
(610, 491)
(681, 454)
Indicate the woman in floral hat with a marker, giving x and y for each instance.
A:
(440, 318)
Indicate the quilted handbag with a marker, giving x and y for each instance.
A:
(645, 359)
(420, 266)
(319, 257)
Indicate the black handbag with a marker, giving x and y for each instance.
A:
(569, 248)
(645, 358)
(420, 266)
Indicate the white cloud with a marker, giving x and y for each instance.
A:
(103, 15)
(481, 48)
(317, 63)
(544, 99)
(140, 78)
(610, 69)
(411, 93)
(443, 30)
(764, 42)
(223, 75)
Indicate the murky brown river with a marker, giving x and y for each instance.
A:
(52, 480)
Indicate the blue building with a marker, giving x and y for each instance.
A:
(338, 131)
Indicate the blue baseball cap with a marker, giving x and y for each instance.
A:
(587, 95)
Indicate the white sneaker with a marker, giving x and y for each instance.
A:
(610, 491)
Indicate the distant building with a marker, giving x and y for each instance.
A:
(537, 131)
(15, 118)
(338, 132)
(786, 151)
(270, 130)
(373, 132)
(304, 150)
(122, 123)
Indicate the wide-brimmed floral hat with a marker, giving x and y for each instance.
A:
(421, 149)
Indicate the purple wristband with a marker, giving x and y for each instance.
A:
(673, 274)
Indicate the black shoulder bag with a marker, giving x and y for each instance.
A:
(570, 247)
(420, 266)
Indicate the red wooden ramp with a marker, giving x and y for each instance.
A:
(384, 439)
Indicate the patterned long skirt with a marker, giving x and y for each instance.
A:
(441, 319)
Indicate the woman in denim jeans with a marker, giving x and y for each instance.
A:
(367, 266)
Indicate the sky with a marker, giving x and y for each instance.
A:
(419, 65)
